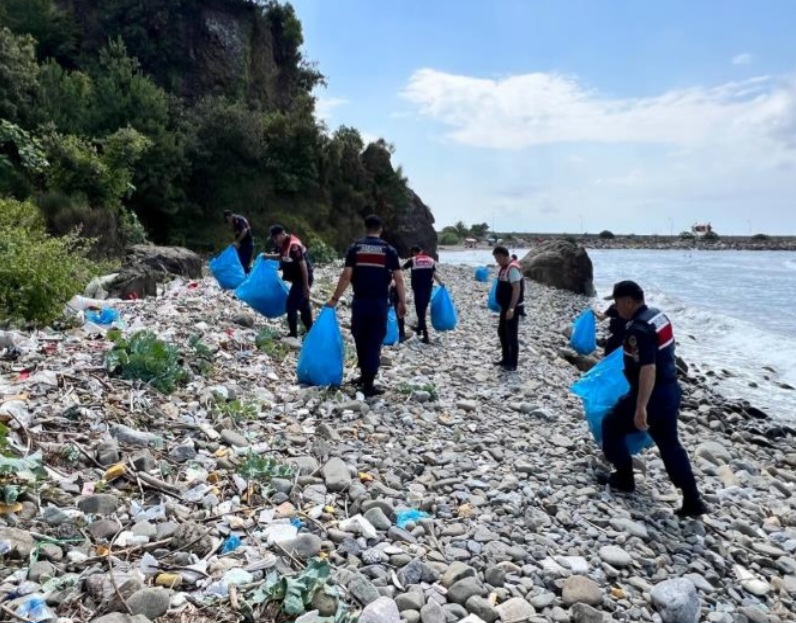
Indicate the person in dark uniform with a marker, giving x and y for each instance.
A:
(297, 271)
(370, 265)
(424, 273)
(616, 328)
(653, 402)
(393, 298)
(243, 238)
(511, 298)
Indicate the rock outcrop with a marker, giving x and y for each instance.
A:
(561, 264)
(145, 266)
(415, 225)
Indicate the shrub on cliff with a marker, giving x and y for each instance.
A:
(607, 235)
(449, 239)
(761, 238)
(39, 273)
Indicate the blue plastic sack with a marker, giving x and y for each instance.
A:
(443, 313)
(491, 301)
(600, 389)
(402, 518)
(264, 290)
(321, 358)
(482, 274)
(392, 334)
(584, 333)
(227, 269)
(107, 315)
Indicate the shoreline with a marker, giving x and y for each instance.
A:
(502, 465)
(648, 243)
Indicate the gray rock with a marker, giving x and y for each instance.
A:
(379, 520)
(363, 590)
(615, 556)
(455, 572)
(282, 485)
(582, 613)
(102, 504)
(104, 529)
(151, 602)
(108, 453)
(380, 610)
(50, 551)
(467, 405)
(325, 604)
(515, 610)
(118, 617)
(411, 616)
(481, 607)
(545, 600)
(307, 546)
(144, 528)
(432, 612)
(580, 589)
(413, 600)
(131, 437)
(53, 516)
(416, 572)
(495, 576)
(421, 396)
(676, 600)
(193, 538)
(460, 592)
(454, 612)
(233, 438)
(166, 530)
(143, 461)
(336, 475)
(243, 320)
(561, 264)
(183, 453)
(633, 528)
(40, 570)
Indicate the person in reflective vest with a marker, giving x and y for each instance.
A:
(297, 271)
(653, 402)
(243, 239)
(370, 266)
(423, 275)
(511, 299)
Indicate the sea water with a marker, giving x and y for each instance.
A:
(732, 310)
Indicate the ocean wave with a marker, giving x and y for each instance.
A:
(789, 264)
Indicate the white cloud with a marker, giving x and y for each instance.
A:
(742, 59)
(325, 105)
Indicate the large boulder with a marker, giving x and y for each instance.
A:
(146, 266)
(561, 264)
(415, 225)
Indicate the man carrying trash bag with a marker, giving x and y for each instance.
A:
(297, 271)
(653, 402)
(423, 275)
(370, 265)
(243, 239)
(510, 297)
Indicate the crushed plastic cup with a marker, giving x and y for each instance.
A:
(34, 609)
(231, 544)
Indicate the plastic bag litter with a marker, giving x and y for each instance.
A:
(492, 302)
(106, 316)
(402, 518)
(443, 312)
(584, 333)
(227, 269)
(264, 290)
(321, 358)
(600, 389)
(482, 274)
(392, 335)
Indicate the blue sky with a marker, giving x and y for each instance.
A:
(639, 117)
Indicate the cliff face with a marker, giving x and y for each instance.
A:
(414, 225)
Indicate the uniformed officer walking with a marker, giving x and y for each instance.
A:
(370, 265)
(511, 299)
(423, 275)
(653, 401)
(297, 271)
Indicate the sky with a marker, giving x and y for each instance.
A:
(637, 116)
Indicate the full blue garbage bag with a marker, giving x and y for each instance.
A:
(392, 328)
(600, 389)
(443, 313)
(482, 274)
(584, 333)
(491, 301)
(264, 290)
(227, 269)
(321, 358)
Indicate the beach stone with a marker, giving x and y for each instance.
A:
(416, 572)
(676, 601)
(460, 592)
(581, 589)
(410, 616)
(582, 613)
(118, 617)
(336, 475)
(53, 516)
(380, 610)
(633, 528)
(413, 600)
(143, 461)
(151, 602)
(456, 571)
(482, 608)
(561, 264)
(193, 537)
(714, 452)
(379, 520)
(51, 552)
(234, 438)
(103, 529)
(363, 590)
(307, 546)
(515, 610)
(615, 556)
(325, 604)
(540, 602)
(181, 454)
(467, 405)
(40, 570)
(495, 576)
(432, 612)
(102, 504)
(243, 320)
(144, 528)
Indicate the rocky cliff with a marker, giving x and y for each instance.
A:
(561, 264)
(414, 225)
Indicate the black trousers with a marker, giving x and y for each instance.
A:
(297, 304)
(245, 254)
(369, 326)
(422, 301)
(509, 333)
(662, 413)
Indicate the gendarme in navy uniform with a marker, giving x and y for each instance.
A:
(653, 401)
(423, 275)
(370, 266)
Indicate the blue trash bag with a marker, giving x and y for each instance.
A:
(392, 328)
(584, 333)
(402, 518)
(264, 290)
(107, 315)
(321, 358)
(600, 389)
(482, 274)
(443, 313)
(227, 269)
(491, 301)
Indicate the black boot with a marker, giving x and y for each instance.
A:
(693, 506)
(619, 482)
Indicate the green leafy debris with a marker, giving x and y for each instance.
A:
(145, 358)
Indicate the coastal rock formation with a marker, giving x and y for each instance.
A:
(145, 266)
(415, 225)
(561, 264)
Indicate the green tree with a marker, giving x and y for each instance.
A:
(479, 231)
(53, 29)
(18, 72)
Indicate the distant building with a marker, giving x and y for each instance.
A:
(700, 230)
(470, 243)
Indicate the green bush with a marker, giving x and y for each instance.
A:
(686, 235)
(711, 235)
(145, 358)
(607, 235)
(320, 252)
(761, 238)
(39, 273)
(449, 239)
